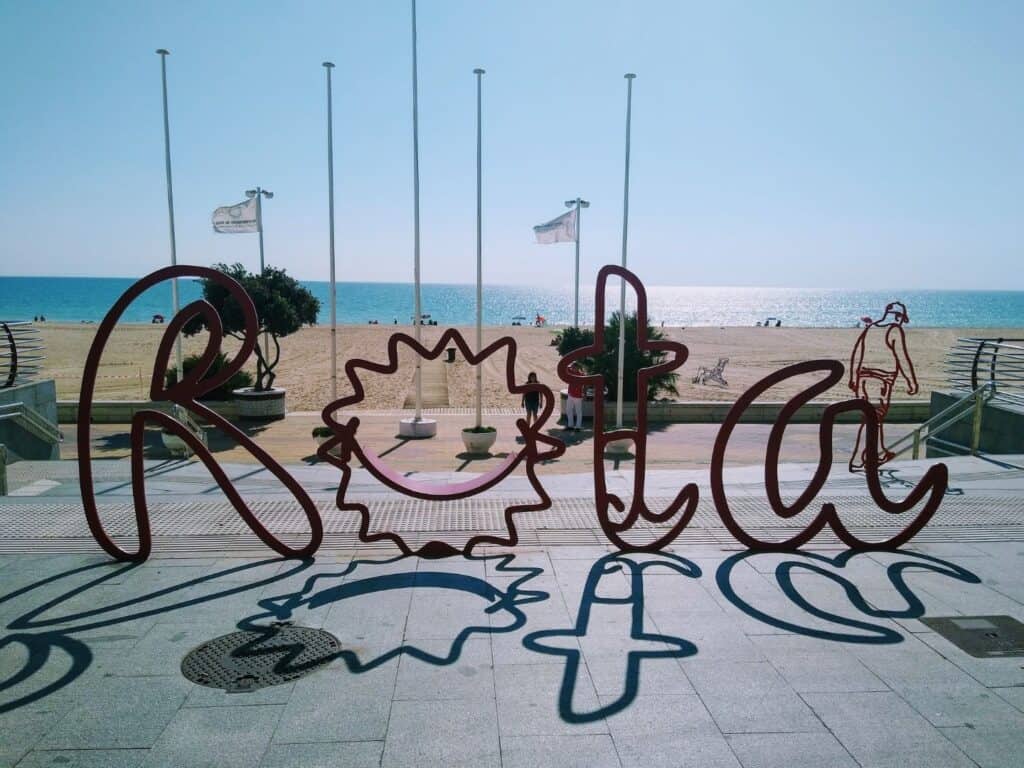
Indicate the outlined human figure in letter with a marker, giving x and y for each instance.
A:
(878, 359)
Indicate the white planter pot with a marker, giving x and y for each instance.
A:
(260, 406)
(175, 445)
(479, 443)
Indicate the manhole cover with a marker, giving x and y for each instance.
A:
(250, 660)
(982, 636)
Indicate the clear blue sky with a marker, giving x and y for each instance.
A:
(804, 144)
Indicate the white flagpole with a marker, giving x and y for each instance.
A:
(259, 228)
(579, 203)
(479, 245)
(417, 426)
(418, 309)
(163, 53)
(625, 229)
(330, 208)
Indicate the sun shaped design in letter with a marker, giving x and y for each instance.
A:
(346, 439)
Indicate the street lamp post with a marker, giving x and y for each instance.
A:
(579, 203)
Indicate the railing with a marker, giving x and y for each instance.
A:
(972, 405)
(29, 420)
(20, 345)
(997, 362)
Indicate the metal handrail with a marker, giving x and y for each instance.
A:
(971, 404)
(974, 361)
(18, 337)
(27, 418)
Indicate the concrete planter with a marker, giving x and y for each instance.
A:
(321, 440)
(478, 443)
(253, 405)
(174, 444)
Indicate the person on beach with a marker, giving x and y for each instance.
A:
(879, 357)
(531, 400)
(574, 402)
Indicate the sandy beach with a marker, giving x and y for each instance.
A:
(304, 370)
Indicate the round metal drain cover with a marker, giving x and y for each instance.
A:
(250, 660)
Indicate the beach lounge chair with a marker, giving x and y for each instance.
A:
(705, 374)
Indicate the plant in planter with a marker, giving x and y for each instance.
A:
(240, 380)
(174, 444)
(478, 440)
(607, 363)
(322, 435)
(283, 306)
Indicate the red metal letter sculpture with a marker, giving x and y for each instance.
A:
(638, 506)
(185, 394)
(347, 439)
(878, 359)
(933, 483)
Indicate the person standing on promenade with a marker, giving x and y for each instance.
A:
(880, 357)
(574, 403)
(531, 401)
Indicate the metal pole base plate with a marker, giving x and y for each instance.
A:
(417, 428)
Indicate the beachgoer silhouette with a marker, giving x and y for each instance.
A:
(878, 359)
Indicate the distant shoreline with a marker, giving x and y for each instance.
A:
(74, 300)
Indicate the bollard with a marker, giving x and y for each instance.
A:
(3, 470)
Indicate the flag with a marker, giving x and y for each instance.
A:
(560, 230)
(236, 218)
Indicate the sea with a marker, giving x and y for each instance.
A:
(87, 300)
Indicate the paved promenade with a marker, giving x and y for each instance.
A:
(558, 653)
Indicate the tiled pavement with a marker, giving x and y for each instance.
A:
(546, 656)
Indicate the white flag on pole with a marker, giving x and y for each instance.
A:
(560, 230)
(236, 218)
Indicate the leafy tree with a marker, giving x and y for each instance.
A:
(283, 306)
(240, 380)
(573, 338)
(607, 363)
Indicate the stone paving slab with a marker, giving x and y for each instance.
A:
(431, 673)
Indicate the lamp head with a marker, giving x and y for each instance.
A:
(329, 64)
(163, 52)
(250, 193)
(479, 71)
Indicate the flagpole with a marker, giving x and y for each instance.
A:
(418, 307)
(576, 302)
(330, 208)
(479, 244)
(417, 426)
(259, 228)
(625, 229)
(579, 204)
(163, 54)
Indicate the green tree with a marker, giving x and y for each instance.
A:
(607, 363)
(283, 306)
